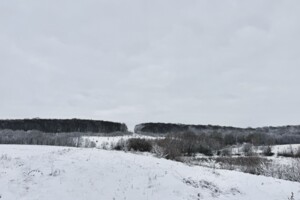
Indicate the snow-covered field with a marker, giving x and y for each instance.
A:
(275, 149)
(47, 173)
(285, 148)
(107, 142)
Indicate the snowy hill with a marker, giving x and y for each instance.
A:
(47, 173)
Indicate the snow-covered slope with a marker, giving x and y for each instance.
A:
(47, 173)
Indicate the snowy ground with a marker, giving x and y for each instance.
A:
(107, 142)
(285, 148)
(44, 173)
(275, 149)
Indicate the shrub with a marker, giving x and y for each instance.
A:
(267, 151)
(226, 152)
(121, 145)
(251, 164)
(189, 143)
(289, 154)
(138, 144)
(289, 172)
(205, 150)
(93, 144)
(297, 153)
(159, 151)
(172, 148)
(185, 144)
(248, 149)
(240, 161)
(87, 143)
(292, 197)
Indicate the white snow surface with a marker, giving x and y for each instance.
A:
(275, 149)
(107, 142)
(285, 148)
(47, 173)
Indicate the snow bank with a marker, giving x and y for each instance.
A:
(47, 173)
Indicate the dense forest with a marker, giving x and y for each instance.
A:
(63, 125)
(227, 135)
(165, 128)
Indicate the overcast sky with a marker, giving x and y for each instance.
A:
(226, 62)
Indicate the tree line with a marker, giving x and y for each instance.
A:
(63, 125)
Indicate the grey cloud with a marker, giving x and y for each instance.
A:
(217, 62)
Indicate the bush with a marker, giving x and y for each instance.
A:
(289, 172)
(292, 197)
(254, 165)
(241, 161)
(121, 145)
(138, 144)
(297, 153)
(172, 148)
(251, 164)
(226, 152)
(189, 143)
(289, 154)
(205, 150)
(159, 151)
(267, 151)
(93, 144)
(248, 149)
